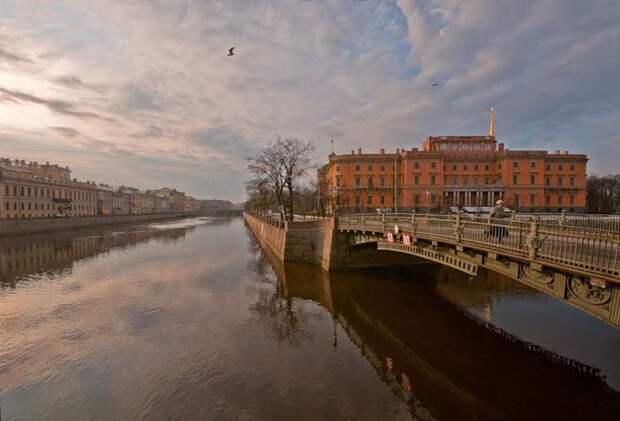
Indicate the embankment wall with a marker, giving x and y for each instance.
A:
(30, 226)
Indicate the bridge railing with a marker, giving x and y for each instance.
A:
(591, 250)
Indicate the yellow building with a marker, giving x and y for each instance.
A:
(31, 190)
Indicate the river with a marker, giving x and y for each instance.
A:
(192, 320)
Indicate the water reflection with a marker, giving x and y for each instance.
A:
(439, 362)
(193, 320)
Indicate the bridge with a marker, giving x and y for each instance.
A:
(576, 260)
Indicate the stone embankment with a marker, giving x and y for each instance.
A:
(30, 226)
(317, 242)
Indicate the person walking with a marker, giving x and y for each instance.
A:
(497, 213)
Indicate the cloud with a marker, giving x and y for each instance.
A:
(147, 84)
(55, 105)
(66, 131)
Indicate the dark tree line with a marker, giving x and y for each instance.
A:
(276, 173)
(603, 194)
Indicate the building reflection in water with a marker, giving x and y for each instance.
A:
(25, 256)
(442, 364)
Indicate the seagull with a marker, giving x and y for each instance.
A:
(435, 84)
(230, 52)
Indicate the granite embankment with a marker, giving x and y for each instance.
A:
(317, 242)
(29, 226)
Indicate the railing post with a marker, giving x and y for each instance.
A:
(364, 222)
(534, 242)
(562, 220)
(383, 221)
(413, 224)
(458, 227)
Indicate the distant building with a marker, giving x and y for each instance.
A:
(121, 203)
(215, 206)
(32, 190)
(175, 199)
(105, 202)
(454, 171)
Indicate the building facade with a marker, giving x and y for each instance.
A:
(30, 190)
(454, 171)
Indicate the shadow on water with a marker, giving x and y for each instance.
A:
(440, 359)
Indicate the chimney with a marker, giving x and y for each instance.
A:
(47, 163)
(557, 152)
(359, 151)
(492, 122)
(414, 149)
(397, 151)
(500, 147)
(565, 152)
(381, 151)
(352, 152)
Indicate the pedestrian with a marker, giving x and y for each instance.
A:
(497, 229)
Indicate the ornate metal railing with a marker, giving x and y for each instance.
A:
(586, 250)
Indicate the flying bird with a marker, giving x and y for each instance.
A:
(435, 84)
(230, 52)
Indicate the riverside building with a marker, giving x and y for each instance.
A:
(454, 171)
(33, 190)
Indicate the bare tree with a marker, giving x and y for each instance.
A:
(280, 167)
(603, 194)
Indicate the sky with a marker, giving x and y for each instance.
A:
(142, 92)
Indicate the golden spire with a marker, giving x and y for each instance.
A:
(492, 122)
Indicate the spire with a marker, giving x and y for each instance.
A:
(492, 122)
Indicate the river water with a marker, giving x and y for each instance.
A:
(192, 320)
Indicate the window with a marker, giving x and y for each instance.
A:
(559, 181)
(357, 181)
(29, 206)
(416, 165)
(571, 199)
(572, 167)
(572, 181)
(382, 200)
(560, 200)
(532, 179)
(533, 199)
(416, 180)
(416, 198)
(499, 166)
(454, 180)
(338, 178)
(382, 181)
(465, 167)
(476, 180)
(548, 167)
(7, 190)
(453, 167)
(476, 167)
(533, 164)
(382, 167)
(370, 199)
(515, 179)
(357, 201)
(14, 190)
(465, 180)
(547, 181)
(486, 179)
(357, 167)
(29, 192)
(433, 180)
(486, 167)
(515, 164)
(22, 189)
(337, 167)
(433, 165)
(516, 197)
(369, 181)
(8, 206)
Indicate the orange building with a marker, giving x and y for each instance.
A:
(463, 171)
